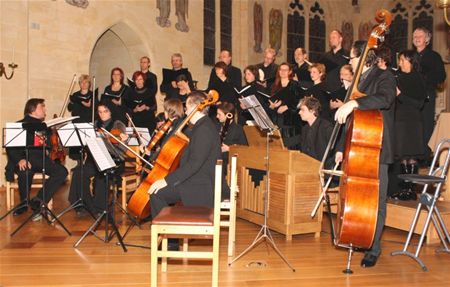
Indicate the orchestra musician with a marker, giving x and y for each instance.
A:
(95, 201)
(319, 90)
(81, 101)
(34, 113)
(380, 89)
(114, 94)
(301, 70)
(334, 60)
(231, 133)
(169, 84)
(141, 102)
(234, 74)
(192, 182)
(183, 90)
(317, 132)
(283, 106)
(268, 69)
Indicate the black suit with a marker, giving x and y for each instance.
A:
(56, 172)
(380, 88)
(193, 181)
(315, 138)
(333, 63)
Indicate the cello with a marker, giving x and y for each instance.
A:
(167, 161)
(357, 211)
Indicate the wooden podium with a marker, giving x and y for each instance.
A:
(294, 189)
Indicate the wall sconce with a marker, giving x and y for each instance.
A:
(444, 4)
(3, 70)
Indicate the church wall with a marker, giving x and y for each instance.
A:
(53, 40)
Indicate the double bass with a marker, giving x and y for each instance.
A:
(357, 210)
(167, 161)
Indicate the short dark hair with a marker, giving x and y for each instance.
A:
(358, 48)
(196, 97)
(31, 105)
(312, 104)
(226, 108)
(223, 66)
(412, 57)
(181, 77)
(384, 53)
(226, 50)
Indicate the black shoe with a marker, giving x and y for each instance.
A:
(35, 204)
(369, 260)
(20, 210)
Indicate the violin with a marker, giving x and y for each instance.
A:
(57, 152)
(159, 134)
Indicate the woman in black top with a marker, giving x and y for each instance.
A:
(223, 86)
(318, 90)
(183, 90)
(114, 93)
(253, 87)
(142, 103)
(283, 104)
(411, 95)
(81, 102)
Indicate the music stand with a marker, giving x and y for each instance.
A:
(43, 209)
(265, 124)
(107, 166)
(74, 135)
(15, 136)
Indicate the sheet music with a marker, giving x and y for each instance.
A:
(243, 89)
(100, 153)
(69, 137)
(133, 141)
(58, 121)
(15, 135)
(258, 113)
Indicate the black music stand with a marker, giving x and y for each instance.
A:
(14, 136)
(43, 209)
(74, 135)
(265, 124)
(107, 166)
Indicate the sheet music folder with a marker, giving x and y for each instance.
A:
(260, 116)
(100, 154)
(68, 134)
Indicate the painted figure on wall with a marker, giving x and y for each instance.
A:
(347, 35)
(164, 12)
(275, 29)
(257, 26)
(364, 30)
(78, 3)
(181, 10)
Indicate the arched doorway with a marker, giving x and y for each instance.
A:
(118, 46)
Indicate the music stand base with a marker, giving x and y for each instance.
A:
(263, 235)
(77, 204)
(21, 205)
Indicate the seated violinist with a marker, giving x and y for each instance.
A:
(34, 113)
(95, 202)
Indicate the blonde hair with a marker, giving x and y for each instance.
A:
(84, 77)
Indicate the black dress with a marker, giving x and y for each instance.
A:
(253, 88)
(408, 117)
(226, 91)
(289, 122)
(78, 109)
(136, 97)
(302, 73)
(117, 111)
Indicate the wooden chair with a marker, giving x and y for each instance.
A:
(130, 177)
(182, 222)
(11, 186)
(228, 208)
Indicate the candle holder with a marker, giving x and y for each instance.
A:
(3, 70)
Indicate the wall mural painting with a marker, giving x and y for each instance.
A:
(364, 30)
(78, 3)
(181, 11)
(347, 34)
(275, 29)
(257, 26)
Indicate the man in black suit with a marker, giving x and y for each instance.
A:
(234, 74)
(433, 71)
(334, 60)
(193, 181)
(380, 88)
(268, 69)
(34, 116)
(151, 80)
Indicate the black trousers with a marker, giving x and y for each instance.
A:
(428, 114)
(164, 197)
(56, 172)
(382, 197)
